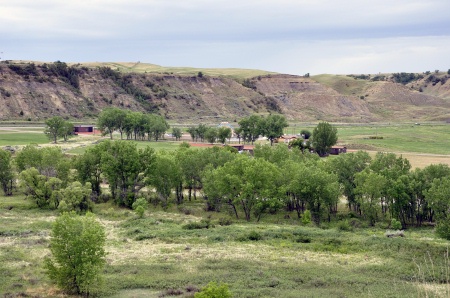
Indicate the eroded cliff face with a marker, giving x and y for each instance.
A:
(35, 92)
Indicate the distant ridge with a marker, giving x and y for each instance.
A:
(36, 90)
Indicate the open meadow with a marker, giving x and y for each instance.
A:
(156, 256)
(176, 251)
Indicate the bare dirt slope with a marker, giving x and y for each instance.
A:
(35, 91)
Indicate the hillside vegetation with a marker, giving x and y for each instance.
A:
(34, 91)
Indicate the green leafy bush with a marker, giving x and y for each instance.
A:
(344, 225)
(139, 206)
(306, 218)
(443, 229)
(214, 290)
(395, 224)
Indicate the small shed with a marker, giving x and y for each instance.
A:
(336, 150)
(83, 129)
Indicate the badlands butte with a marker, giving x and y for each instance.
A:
(33, 91)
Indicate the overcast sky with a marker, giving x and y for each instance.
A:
(288, 36)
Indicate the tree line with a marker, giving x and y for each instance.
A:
(276, 179)
(135, 125)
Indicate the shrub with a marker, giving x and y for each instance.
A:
(306, 218)
(78, 254)
(303, 239)
(344, 225)
(139, 206)
(214, 290)
(254, 236)
(223, 221)
(203, 224)
(395, 224)
(443, 229)
(140, 211)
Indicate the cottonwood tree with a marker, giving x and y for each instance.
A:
(323, 138)
(272, 127)
(439, 197)
(192, 132)
(223, 133)
(49, 161)
(346, 166)
(89, 167)
(57, 127)
(317, 188)
(107, 121)
(422, 182)
(370, 188)
(250, 128)
(243, 183)
(166, 177)
(176, 132)
(125, 167)
(6, 172)
(77, 253)
(200, 131)
(211, 135)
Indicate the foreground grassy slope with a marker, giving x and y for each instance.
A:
(278, 257)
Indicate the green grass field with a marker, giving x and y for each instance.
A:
(432, 138)
(8, 138)
(153, 68)
(426, 138)
(422, 144)
(276, 257)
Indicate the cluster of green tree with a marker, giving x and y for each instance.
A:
(252, 127)
(435, 79)
(210, 134)
(24, 70)
(405, 78)
(361, 77)
(125, 81)
(57, 127)
(135, 125)
(67, 74)
(276, 178)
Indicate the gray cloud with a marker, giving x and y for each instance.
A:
(284, 35)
